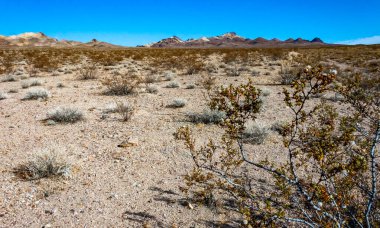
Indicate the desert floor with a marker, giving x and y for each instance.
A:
(109, 185)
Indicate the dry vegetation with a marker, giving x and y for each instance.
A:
(273, 137)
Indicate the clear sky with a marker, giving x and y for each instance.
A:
(143, 21)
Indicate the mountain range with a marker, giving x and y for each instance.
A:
(228, 40)
(231, 39)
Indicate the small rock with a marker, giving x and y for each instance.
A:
(188, 204)
(47, 226)
(131, 141)
(51, 122)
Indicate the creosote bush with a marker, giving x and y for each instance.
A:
(65, 115)
(330, 176)
(121, 84)
(88, 71)
(208, 81)
(45, 165)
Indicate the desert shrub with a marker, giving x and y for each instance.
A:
(190, 86)
(148, 79)
(121, 84)
(60, 85)
(31, 70)
(13, 91)
(88, 71)
(233, 71)
(208, 116)
(208, 81)
(329, 178)
(45, 165)
(9, 78)
(194, 66)
(125, 109)
(152, 89)
(279, 127)
(35, 94)
(31, 83)
(65, 115)
(255, 133)
(172, 85)
(7, 62)
(211, 68)
(169, 76)
(255, 73)
(265, 92)
(177, 103)
(3, 96)
(288, 75)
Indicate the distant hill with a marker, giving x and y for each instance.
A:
(231, 39)
(39, 39)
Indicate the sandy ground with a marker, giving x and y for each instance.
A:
(112, 186)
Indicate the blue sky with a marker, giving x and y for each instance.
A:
(143, 21)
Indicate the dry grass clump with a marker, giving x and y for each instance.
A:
(233, 71)
(121, 84)
(125, 109)
(173, 85)
(255, 133)
(255, 73)
(265, 92)
(211, 68)
(151, 78)
(169, 76)
(31, 83)
(36, 94)
(177, 103)
(46, 165)
(31, 70)
(65, 115)
(13, 91)
(190, 86)
(9, 78)
(207, 117)
(151, 89)
(208, 81)
(279, 127)
(3, 96)
(288, 74)
(195, 66)
(88, 71)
